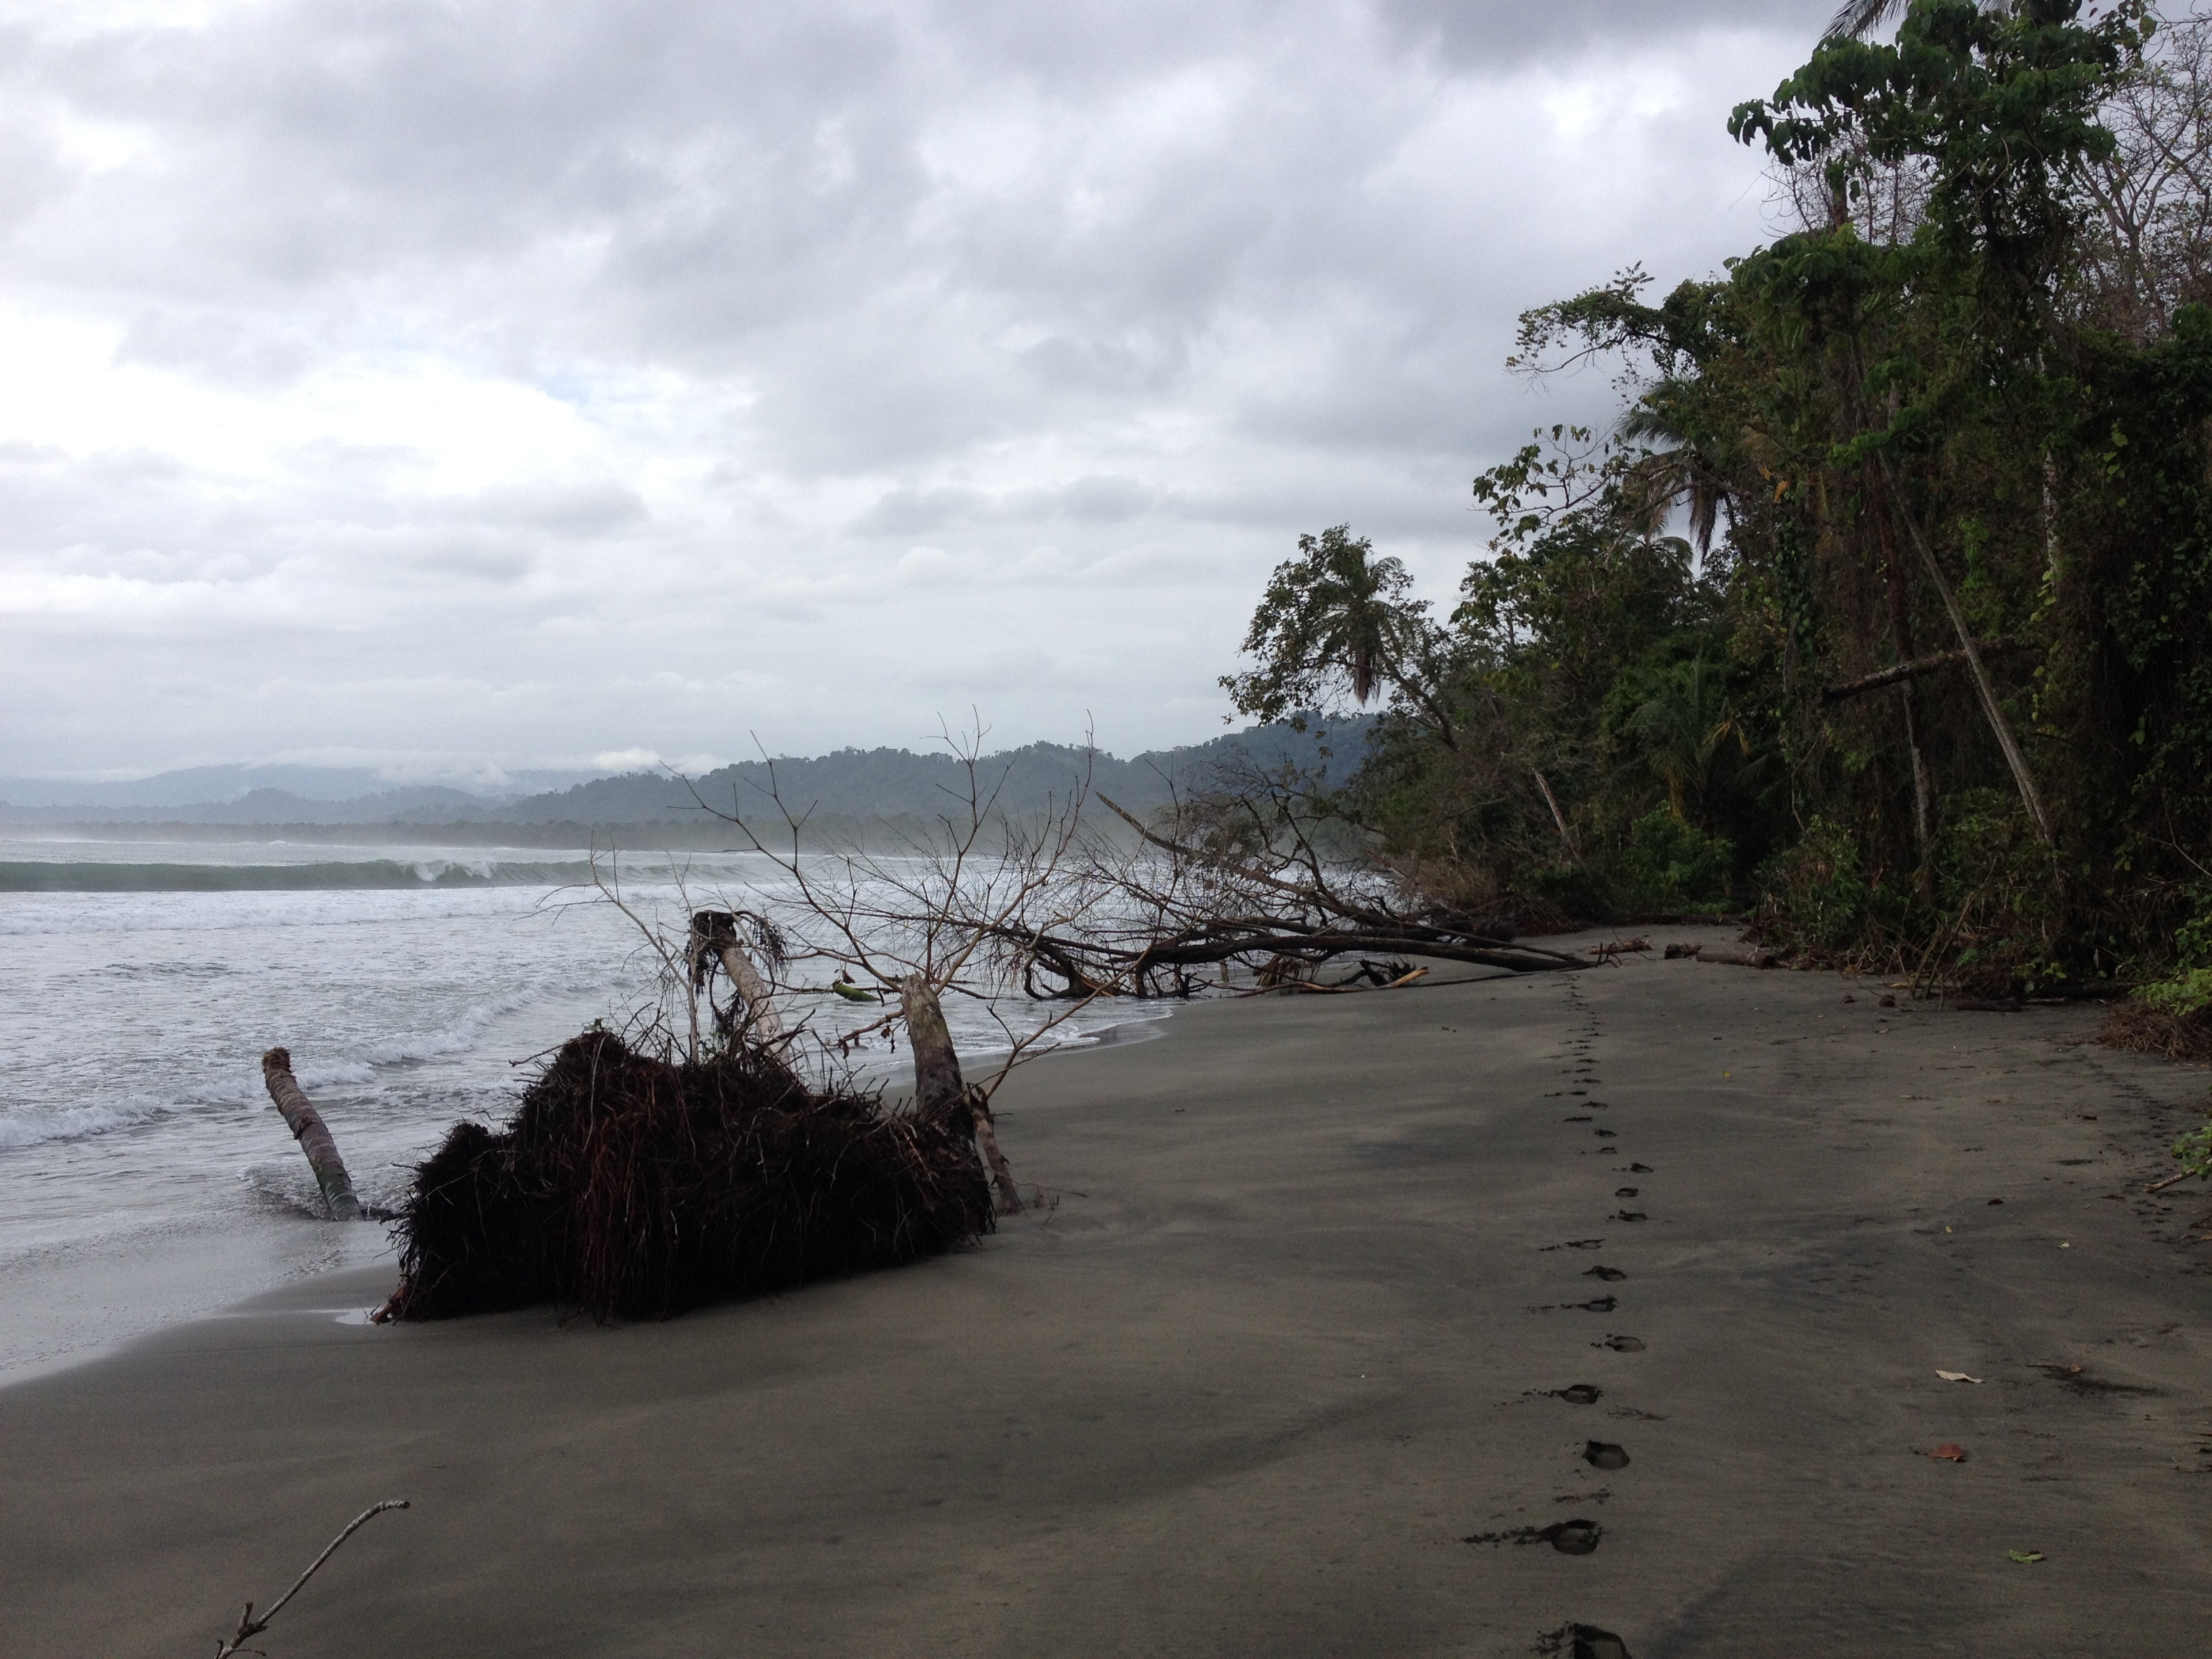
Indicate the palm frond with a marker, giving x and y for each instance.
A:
(1859, 18)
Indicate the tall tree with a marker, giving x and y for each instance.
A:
(1338, 621)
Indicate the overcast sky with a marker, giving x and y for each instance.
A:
(478, 384)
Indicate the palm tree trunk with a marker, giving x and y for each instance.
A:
(314, 1135)
(937, 1083)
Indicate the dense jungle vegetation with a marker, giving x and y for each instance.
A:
(1883, 609)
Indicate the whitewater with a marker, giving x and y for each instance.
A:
(144, 1176)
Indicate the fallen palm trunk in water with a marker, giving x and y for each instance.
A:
(631, 1186)
(314, 1135)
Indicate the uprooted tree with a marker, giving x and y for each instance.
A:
(725, 1144)
(1251, 882)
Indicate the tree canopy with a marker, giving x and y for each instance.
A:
(1882, 606)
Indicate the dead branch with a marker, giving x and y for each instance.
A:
(2004, 647)
(1369, 925)
(1559, 819)
(1355, 986)
(249, 1626)
(1618, 947)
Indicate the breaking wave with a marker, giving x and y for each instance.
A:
(22, 1129)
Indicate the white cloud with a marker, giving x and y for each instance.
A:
(543, 383)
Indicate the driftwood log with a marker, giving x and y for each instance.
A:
(1747, 956)
(314, 1135)
(937, 1080)
(1750, 955)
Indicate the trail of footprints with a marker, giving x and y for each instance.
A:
(1580, 1535)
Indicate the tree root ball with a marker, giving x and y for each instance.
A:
(631, 1186)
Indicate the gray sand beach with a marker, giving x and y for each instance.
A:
(1295, 1332)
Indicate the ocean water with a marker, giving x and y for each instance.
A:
(145, 1177)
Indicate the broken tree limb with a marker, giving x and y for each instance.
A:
(2160, 1186)
(2004, 645)
(937, 1080)
(714, 938)
(314, 1135)
(1245, 872)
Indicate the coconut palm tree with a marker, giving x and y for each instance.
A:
(1337, 619)
(1860, 18)
(1679, 724)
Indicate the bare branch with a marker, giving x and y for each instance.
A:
(250, 1627)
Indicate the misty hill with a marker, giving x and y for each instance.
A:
(262, 788)
(851, 784)
(857, 783)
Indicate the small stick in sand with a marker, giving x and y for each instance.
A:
(248, 1626)
(314, 1135)
(2172, 1179)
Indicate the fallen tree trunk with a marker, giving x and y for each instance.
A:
(1090, 967)
(1355, 924)
(314, 1135)
(936, 1081)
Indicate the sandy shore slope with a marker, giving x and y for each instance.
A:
(1286, 1342)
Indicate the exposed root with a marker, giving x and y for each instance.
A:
(629, 1186)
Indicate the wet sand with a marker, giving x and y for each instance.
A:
(1291, 1336)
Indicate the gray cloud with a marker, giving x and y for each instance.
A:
(531, 381)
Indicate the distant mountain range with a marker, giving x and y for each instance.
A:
(203, 786)
(851, 784)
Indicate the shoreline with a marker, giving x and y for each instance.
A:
(1293, 1334)
(76, 1303)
